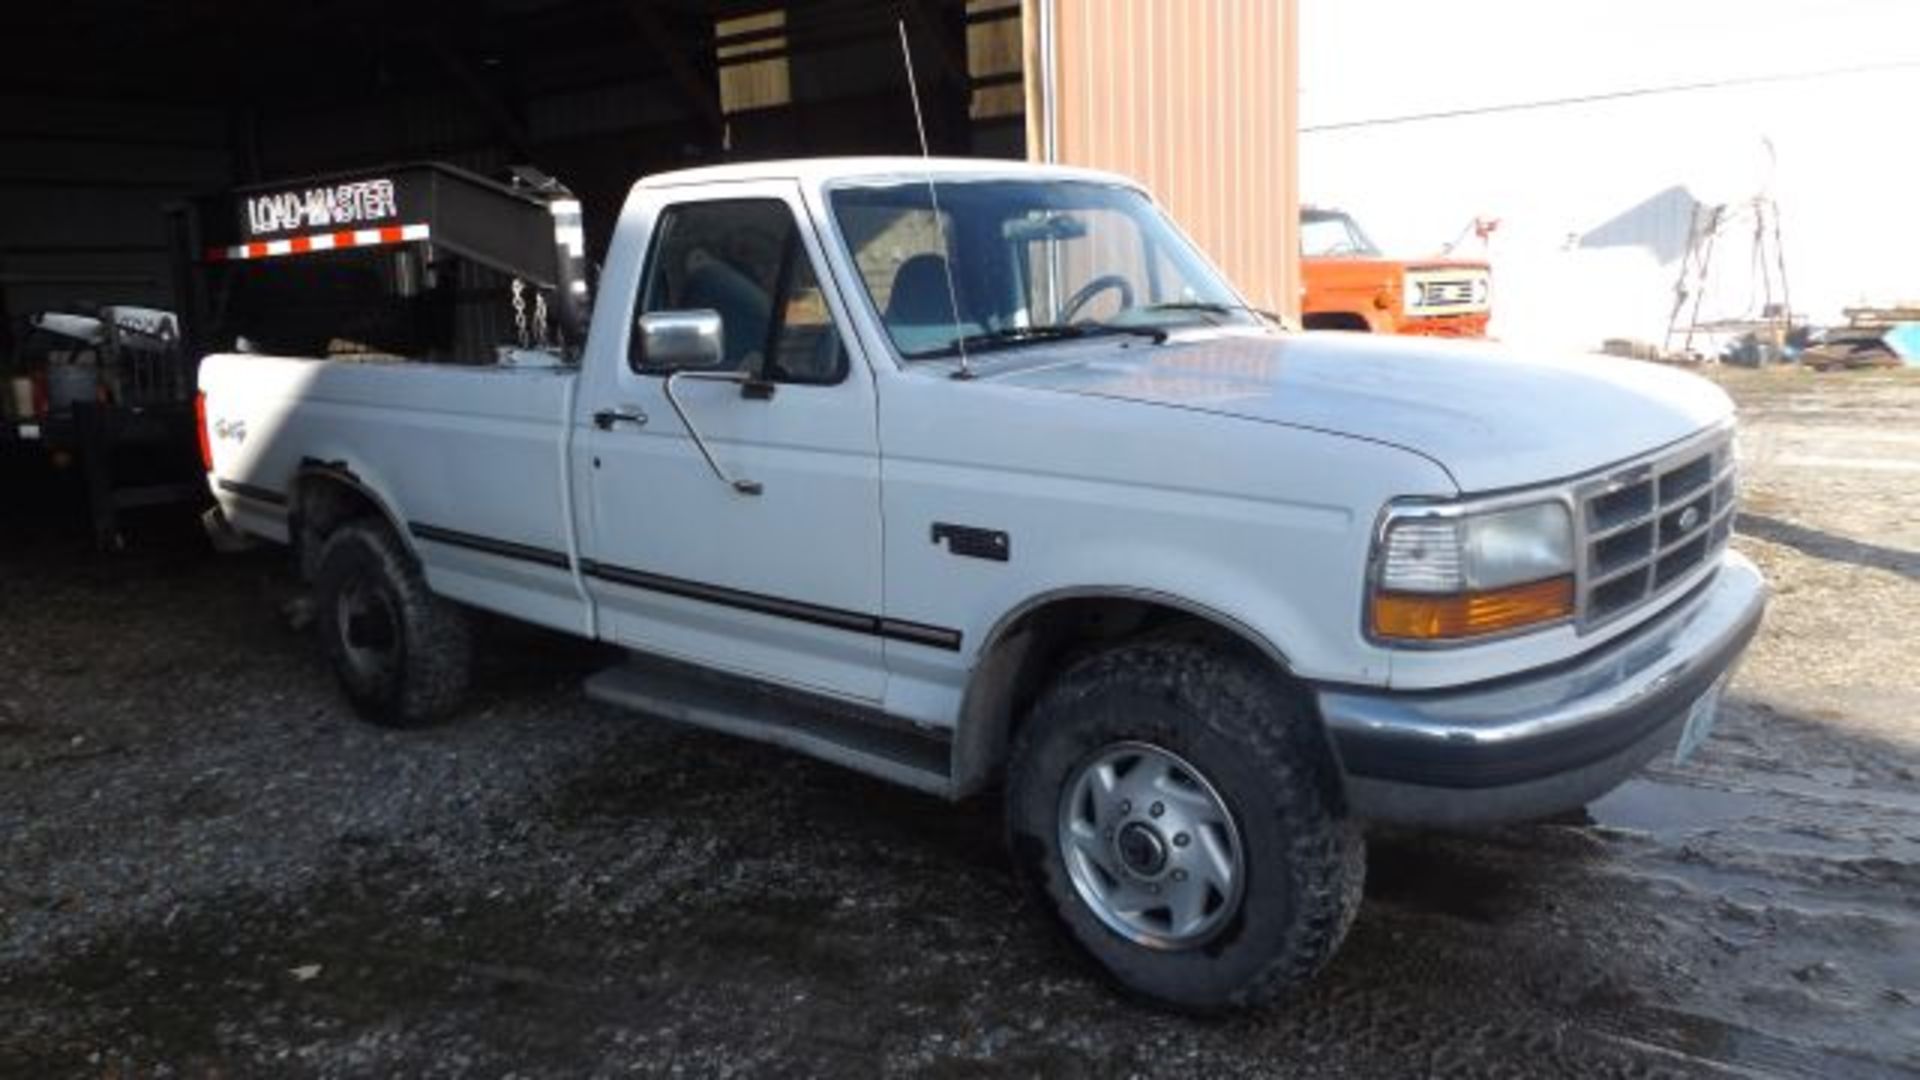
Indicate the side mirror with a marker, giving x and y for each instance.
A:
(681, 340)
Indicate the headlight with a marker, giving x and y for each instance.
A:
(1446, 577)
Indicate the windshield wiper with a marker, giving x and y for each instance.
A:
(1015, 336)
(1212, 308)
(1158, 334)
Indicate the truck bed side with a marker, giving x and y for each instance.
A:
(469, 465)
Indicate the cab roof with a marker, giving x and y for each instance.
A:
(819, 171)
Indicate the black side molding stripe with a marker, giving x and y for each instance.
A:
(256, 493)
(506, 549)
(837, 618)
(936, 637)
(734, 598)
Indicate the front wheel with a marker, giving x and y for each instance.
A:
(1173, 804)
(401, 653)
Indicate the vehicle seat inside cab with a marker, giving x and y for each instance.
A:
(920, 315)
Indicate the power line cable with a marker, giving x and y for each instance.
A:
(1610, 95)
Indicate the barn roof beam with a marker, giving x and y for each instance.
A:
(699, 94)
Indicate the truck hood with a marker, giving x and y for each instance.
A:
(1492, 417)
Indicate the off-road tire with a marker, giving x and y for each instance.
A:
(432, 642)
(1252, 736)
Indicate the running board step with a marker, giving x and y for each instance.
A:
(864, 740)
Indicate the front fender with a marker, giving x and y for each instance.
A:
(1261, 528)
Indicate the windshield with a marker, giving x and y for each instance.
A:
(1009, 263)
(1332, 233)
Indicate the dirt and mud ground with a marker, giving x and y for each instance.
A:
(207, 867)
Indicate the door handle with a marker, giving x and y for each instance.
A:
(604, 419)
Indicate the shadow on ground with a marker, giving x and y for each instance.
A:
(1826, 545)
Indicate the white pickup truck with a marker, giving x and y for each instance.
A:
(977, 476)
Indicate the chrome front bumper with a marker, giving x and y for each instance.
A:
(1543, 742)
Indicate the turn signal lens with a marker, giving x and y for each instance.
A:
(1426, 617)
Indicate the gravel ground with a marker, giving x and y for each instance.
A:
(207, 867)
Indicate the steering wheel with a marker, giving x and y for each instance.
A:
(1094, 288)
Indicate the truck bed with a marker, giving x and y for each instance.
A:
(447, 443)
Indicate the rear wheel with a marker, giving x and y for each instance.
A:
(401, 653)
(1172, 802)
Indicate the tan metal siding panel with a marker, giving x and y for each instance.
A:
(1196, 99)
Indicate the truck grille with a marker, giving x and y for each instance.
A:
(1442, 293)
(1646, 527)
(1448, 291)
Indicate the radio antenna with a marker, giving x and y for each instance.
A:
(933, 196)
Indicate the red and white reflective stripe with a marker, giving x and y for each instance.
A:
(300, 245)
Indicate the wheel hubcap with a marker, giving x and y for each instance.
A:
(1142, 851)
(1150, 846)
(368, 626)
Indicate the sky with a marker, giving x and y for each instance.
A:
(1829, 149)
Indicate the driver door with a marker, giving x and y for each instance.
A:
(735, 512)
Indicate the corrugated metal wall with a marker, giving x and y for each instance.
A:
(1197, 99)
(81, 188)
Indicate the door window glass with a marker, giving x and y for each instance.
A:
(743, 259)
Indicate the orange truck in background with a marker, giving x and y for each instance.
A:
(1350, 285)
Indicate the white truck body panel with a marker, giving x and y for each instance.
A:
(474, 450)
(1255, 524)
(1237, 474)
